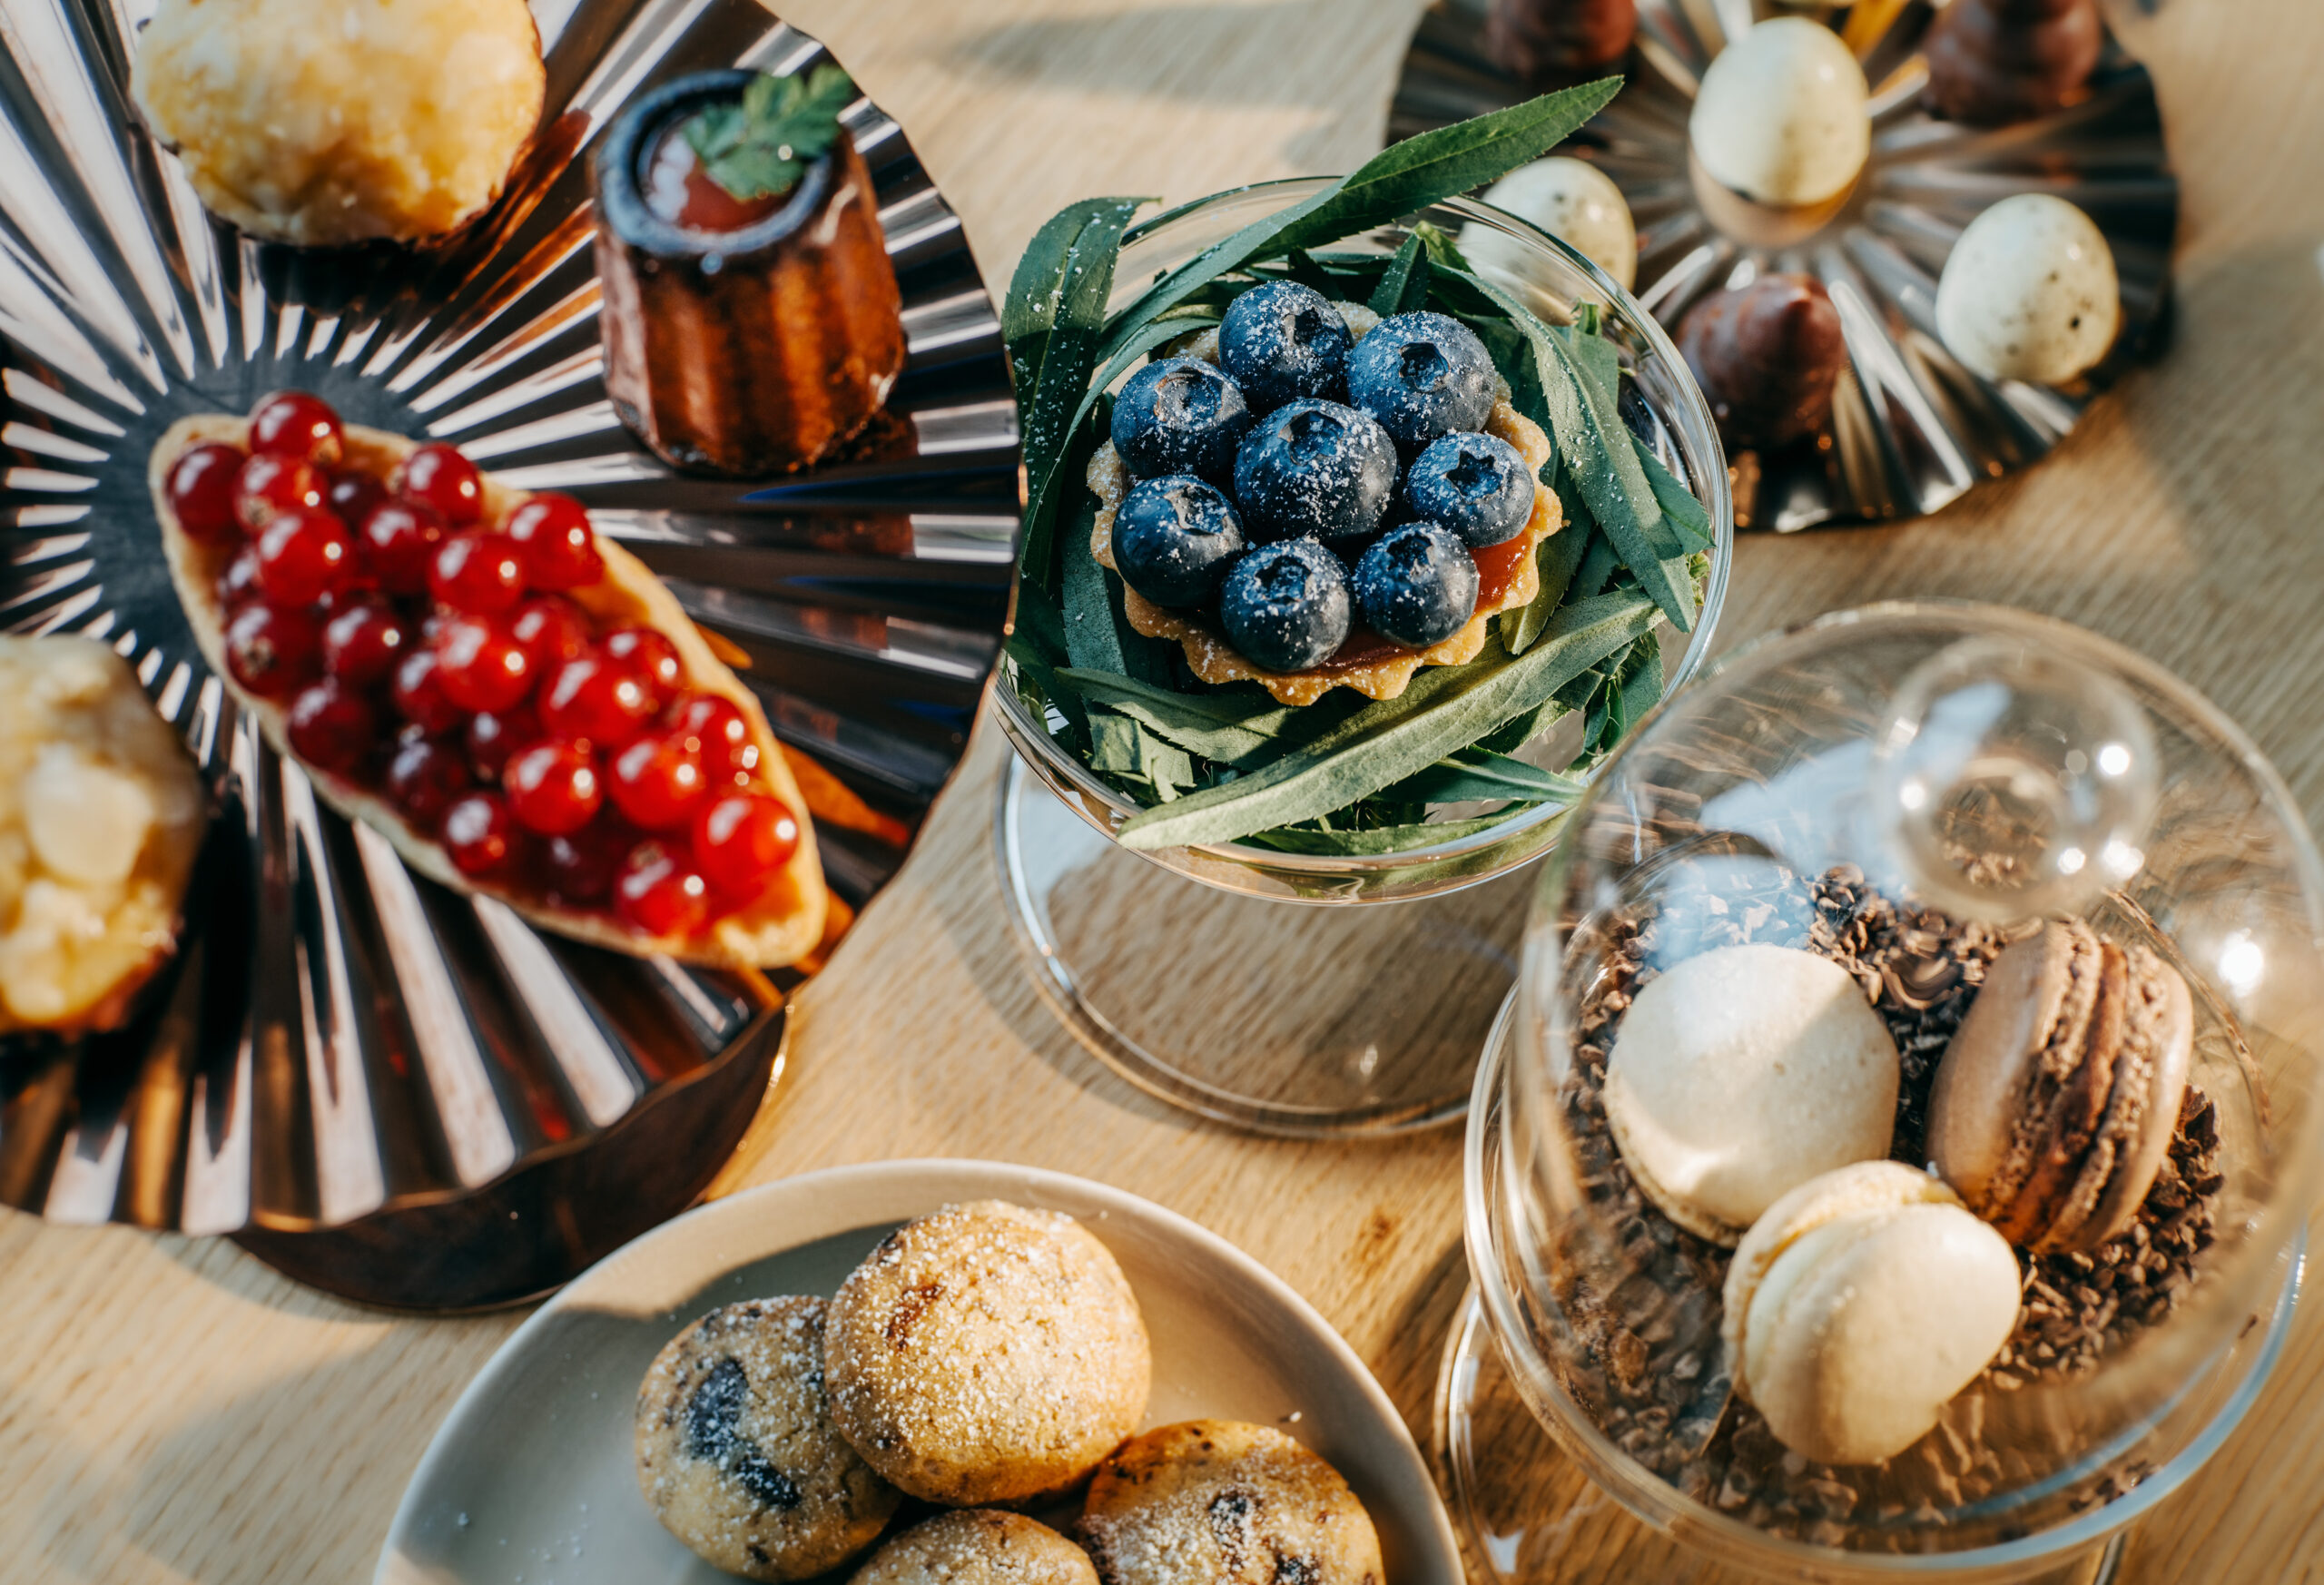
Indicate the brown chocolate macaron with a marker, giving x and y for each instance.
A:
(2056, 1099)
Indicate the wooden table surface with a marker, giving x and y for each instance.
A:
(171, 1410)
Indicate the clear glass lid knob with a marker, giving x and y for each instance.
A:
(2011, 781)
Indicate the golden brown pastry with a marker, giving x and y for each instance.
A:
(321, 122)
(101, 816)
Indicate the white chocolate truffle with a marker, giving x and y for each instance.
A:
(1859, 1305)
(2028, 292)
(1782, 115)
(323, 121)
(1572, 200)
(1739, 1073)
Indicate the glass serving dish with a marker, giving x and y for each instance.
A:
(2059, 775)
(1332, 1017)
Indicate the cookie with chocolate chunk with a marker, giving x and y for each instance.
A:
(1222, 1503)
(737, 1452)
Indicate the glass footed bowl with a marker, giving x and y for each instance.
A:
(1831, 752)
(1659, 402)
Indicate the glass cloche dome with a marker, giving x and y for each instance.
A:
(1940, 1207)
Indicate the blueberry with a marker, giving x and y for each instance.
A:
(1282, 342)
(1286, 605)
(1478, 486)
(1180, 415)
(1175, 539)
(1416, 585)
(1422, 375)
(1314, 468)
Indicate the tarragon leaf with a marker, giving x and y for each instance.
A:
(1228, 728)
(1475, 773)
(1395, 287)
(1440, 712)
(1596, 448)
(1382, 839)
(1403, 177)
(1051, 323)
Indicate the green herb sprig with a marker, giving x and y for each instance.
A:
(760, 145)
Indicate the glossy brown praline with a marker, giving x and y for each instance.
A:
(1769, 356)
(1541, 41)
(748, 353)
(1994, 61)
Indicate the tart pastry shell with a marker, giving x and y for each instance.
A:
(782, 928)
(1215, 660)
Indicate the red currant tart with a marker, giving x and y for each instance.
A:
(513, 701)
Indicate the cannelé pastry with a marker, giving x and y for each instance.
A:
(752, 321)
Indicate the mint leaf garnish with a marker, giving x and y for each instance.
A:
(760, 145)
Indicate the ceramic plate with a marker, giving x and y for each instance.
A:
(530, 1480)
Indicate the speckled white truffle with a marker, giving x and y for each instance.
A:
(1782, 115)
(2028, 292)
(320, 122)
(1572, 200)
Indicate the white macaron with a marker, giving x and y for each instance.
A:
(1859, 1305)
(1740, 1073)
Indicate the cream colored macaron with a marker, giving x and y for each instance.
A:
(1859, 1305)
(1783, 115)
(1742, 1073)
(2028, 292)
(1572, 200)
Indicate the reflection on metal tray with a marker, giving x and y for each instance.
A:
(339, 1042)
(1912, 430)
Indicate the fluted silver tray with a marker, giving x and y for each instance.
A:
(382, 1087)
(1911, 430)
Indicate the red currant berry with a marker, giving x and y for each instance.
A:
(419, 694)
(353, 495)
(332, 726)
(552, 788)
(264, 486)
(400, 538)
(590, 699)
(238, 586)
(292, 423)
(493, 734)
(438, 475)
(479, 834)
(479, 572)
(741, 842)
(423, 778)
(651, 657)
(580, 868)
(303, 554)
(480, 666)
(270, 651)
(200, 491)
(656, 781)
(362, 644)
(552, 628)
(560, 552)
(657, 893)
(720, 733)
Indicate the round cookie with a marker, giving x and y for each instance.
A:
(1220, 1502)
(987, 1354)
(980, 1546)
(737, 1452)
